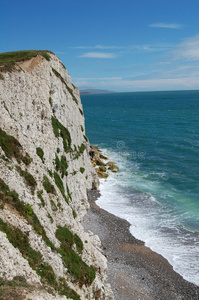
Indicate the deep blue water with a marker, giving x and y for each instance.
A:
(154, 138)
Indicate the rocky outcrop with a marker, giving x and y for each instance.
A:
(45, 172)
(99, 162)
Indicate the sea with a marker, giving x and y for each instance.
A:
(153, 137)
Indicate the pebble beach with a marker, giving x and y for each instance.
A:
(134, 270)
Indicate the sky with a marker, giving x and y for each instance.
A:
(117, 45)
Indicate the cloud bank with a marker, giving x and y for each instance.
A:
(98, 55)
(166, 25)
(188, 49)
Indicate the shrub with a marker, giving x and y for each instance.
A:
(76, 266)
(40, 153)
(61, 165)
(65, 236)
(48, 186)
(53, 205)
(29, 179)
(65, 290)
(85, 137)
(13, 148)
(39, 195)
(50, 173)
(82, 170)
(60, 130)
(74, 213)
(68, 192)
(78, 243)
(59, 183)
(82, 148)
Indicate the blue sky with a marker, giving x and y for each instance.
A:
(137, 45)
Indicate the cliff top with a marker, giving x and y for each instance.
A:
(8, 59)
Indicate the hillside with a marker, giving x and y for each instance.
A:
(45, 173)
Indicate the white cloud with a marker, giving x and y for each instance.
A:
(98, 47)
(97, 78)
(153, 84)
(166, 25)
(98, 55)
(188, 49)
(142, 47)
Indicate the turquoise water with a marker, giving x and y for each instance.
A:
(154, 138)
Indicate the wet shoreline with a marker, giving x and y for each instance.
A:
(134, 270)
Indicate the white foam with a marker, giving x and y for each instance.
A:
(150, 222)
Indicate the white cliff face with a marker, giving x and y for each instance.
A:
(41, 109)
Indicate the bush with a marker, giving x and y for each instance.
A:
(13, 148)
(48, 186)
(61, 165)
(59, 183)
(40, 153)
(29, 179)
(60, 130)
(76, 266)
(82, 148)
(82, 170)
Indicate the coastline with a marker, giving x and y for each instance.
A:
(134, 270)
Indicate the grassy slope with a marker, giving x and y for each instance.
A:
(12, 57)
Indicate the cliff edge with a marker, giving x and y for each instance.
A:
(45, 172)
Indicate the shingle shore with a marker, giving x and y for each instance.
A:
(134, 270)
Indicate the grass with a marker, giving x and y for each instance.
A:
(13, 148)
(8, 59)
(50, 101)
(29, 179)
(74, 213)
(12, 198)
(78, 243)
(81, 272)
(40, 153)
(61, 131)
(68, 192)
(39, 195)
(81, 111)
(16, 281)
(65, 290)
(61, 165)
(82, 148)
(20, 241)
(50, 173)
(59, 184)
(85, 137)
(53, 205)
(64, 82)
(82, 170)
(48, 186)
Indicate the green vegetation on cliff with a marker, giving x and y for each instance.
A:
(13, 148)
(82, 273)
(8, 59)
(60, 130)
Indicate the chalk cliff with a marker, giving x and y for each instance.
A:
(45, 172)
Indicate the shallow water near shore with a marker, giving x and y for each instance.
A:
(154, 139)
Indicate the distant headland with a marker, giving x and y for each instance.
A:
(95, 91)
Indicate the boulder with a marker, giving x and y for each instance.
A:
(113, 168)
